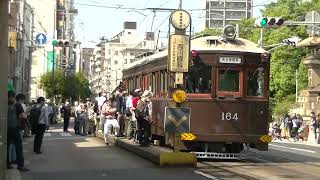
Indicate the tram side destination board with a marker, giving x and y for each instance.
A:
(178, 59)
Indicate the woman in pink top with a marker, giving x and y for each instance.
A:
(109, 113)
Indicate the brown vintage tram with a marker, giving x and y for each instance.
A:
(227, 91)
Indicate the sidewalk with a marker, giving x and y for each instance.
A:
(12, 174)
(291, 141)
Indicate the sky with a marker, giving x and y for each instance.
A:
(98, 18)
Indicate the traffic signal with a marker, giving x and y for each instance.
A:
(60, 43)
(269, 22)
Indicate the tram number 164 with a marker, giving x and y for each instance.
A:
(229, 116)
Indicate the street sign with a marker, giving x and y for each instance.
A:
(177, 119)
(187, 137)
(41, 39)
(178, 60)
(266, 138)
(313, 16)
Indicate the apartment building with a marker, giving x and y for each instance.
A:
(220, 13)
(119, 52)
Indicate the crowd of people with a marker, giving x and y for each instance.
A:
(23, 120)
(294, 127)
(119, 113)
(124, 114)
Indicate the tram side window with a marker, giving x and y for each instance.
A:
(255, 80)
(198, 79)
(228, 80)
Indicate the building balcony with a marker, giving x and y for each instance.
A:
(97, 70)
(98, 63)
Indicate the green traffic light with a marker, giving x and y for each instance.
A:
(263, 22)
(54, 42)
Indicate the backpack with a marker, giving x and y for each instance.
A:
(141, 111)
(34, 117)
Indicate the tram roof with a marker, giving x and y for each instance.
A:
(207, 44)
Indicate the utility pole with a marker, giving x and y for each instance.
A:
(4, 51)
(224, 13)
(53, 52)
(180, 5)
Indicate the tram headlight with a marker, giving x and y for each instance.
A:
(179, 96)
(229, 32)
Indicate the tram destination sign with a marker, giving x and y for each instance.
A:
(178, 55)
(230, 59)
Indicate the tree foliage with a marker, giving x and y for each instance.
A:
(74, 86)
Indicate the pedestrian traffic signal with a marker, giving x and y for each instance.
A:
(269, 22)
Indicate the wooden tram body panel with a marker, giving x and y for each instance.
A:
(209, 119)
(207, 124)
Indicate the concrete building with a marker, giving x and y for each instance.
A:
(97, 67)
(86, 58)
(44, 14)
(220, 13)
(111, 56)
(21, 21)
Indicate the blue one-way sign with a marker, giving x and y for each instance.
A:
(41, 38)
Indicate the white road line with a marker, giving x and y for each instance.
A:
(293, 148)
(47, 134)
(65, 134)
(206, 175)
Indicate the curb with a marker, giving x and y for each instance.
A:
(158, 155)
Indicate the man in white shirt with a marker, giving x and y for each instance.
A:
(43, 123)
(101, 100)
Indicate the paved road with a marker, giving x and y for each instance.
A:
(66, 156)
(282, 161)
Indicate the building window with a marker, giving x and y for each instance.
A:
(129, 32)
(125, 61)
(131, 54)
(115, 62)
(116, 53)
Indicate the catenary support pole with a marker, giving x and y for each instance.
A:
(4, 51)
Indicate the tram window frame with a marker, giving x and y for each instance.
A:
(238, 93)
(210, 82)
(264, 86)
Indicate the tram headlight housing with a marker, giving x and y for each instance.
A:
(179, 96)
(229, 32)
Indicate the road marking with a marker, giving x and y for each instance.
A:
(47, 134)
(205, 175)
(65, 134)
(293, 148)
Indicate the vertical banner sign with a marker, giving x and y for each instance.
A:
(178, 60)
(50, 58)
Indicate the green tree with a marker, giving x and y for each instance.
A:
(211, 32)
(52, 86)
(74, 86)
